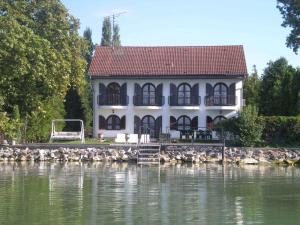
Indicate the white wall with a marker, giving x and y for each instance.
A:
(165, 111)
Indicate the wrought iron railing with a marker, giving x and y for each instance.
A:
(192, 100)
(228, 100)
(112, 100)
(139, 100)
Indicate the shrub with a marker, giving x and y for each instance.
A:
(281, 130)
(250, 126)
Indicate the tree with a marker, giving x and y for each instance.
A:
(249, 126)
(116, 36)
(87, 34)
(251, 88)
(41, 56)
(106, 32)
(278, 93)
(290, 10)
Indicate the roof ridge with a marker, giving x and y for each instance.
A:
(172, 46)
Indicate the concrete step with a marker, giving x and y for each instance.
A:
(148, 159)
(148, 154)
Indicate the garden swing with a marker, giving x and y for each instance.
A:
(67, 135)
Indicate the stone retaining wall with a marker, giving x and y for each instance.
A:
(170, 153)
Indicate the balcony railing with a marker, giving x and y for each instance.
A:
(184, 101)
(229, 100)
(139, 100)
(112, 100)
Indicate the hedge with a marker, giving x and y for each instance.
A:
(281, 130)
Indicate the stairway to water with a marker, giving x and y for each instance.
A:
(148, 154)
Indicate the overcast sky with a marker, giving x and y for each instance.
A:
(255, 24)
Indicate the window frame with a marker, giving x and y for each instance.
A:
(113, 93)
(183, 126)
(113, 122)
(220, 93)
(184, 96)
(148, 94)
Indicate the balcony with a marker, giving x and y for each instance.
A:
(148, 102)
(221, 102)
(112, 100)
(192, 102)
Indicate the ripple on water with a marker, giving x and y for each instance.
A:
(101, 193)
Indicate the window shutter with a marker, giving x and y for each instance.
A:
(158, 95)
(173, 123)
(209, 98)
(173, 94)
(232, 89)
(209, 90)
(102, 94)
(124, 98)
(102, 123)
(137, 124)
(195, 94)
(231, 94)
(173, 89)
(123, 123)
(158, 127)
(194, 124)
(137, 94)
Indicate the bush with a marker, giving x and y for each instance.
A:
(250, 126)
(281, 130)
(247, 127)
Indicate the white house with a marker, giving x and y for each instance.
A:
(165, 89)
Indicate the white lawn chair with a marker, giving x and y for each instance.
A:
(133, 138)
(121, 138)
(145, 138)
(175, 134)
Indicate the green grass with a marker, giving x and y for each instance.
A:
(91, 141)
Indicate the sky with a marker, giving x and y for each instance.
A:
(255, 24)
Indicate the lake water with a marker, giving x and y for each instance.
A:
(99, 193)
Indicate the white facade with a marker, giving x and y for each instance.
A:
(130, 111)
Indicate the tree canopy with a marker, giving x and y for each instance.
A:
(106, 39)
(290, 10)
(279, 89)
(116, 36)
(41, 57)
(110, 36)
(251, 88)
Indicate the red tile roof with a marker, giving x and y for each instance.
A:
(168, 61)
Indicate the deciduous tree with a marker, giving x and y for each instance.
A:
(290, 10)
(278, 92)
(41, 57)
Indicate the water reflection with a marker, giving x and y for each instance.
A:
(104, 193)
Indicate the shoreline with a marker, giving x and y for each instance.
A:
(170, 153)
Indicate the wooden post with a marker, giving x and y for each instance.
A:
(223, 147)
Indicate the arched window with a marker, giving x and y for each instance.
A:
(113, 94)
(220, 94)
(148, 94)
(148, 125)
(218, 119)
(184, 94)
(113, 122)
(184, 123)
